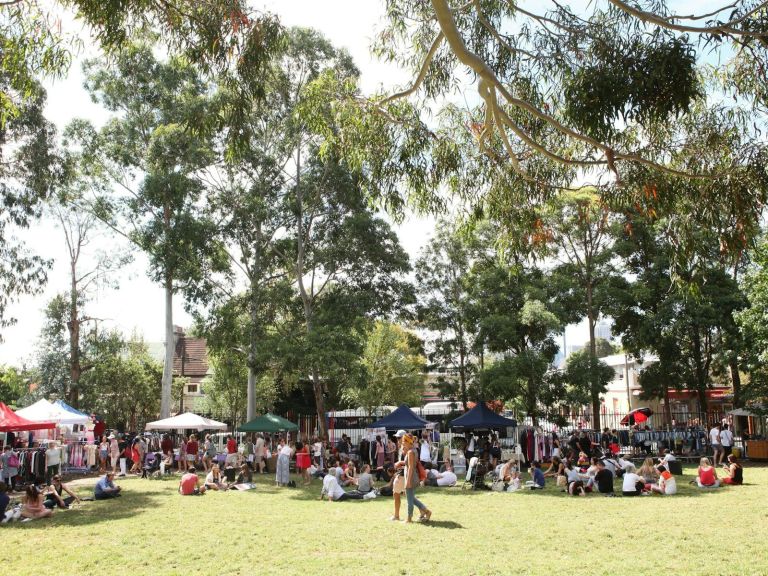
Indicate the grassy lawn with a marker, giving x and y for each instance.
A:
(152, 530)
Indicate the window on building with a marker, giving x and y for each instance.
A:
(191, 388)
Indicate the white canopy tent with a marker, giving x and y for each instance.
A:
(186, 421)
(44, 411)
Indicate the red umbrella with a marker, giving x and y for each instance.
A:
(637, 416)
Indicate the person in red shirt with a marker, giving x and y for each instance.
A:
(192, 449)
(189, 485)
(231, 451)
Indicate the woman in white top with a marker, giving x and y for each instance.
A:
(214, 481)
(667, 484)
(633, 484)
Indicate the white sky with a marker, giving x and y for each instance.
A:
(138, 304)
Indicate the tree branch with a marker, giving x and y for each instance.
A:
(422, 73)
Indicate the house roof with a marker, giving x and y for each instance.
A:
(194, 353)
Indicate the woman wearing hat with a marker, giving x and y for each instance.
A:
(412, 480)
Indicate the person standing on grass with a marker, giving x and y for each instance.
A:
(193, 450)
(103, 453)
(258, 454)
(209, 453)
(726, 443)
(10, 465)
(231, 451)
(283, 472)
(412, 481)
(182, 453)
(398, 482)
(114, 453)
(714, 440)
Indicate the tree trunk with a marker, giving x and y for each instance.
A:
(463, 370)
(253, 343)
(594, 393)
(75, 369)
(530, 402)
(733, 365)
(701, 380)
(306, 297)
(170, 346)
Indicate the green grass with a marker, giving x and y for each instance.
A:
(152, 530)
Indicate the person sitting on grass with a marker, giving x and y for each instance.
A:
(575, 482)
(334, 491)
(348, 474)
(667, 484)
(537, 477)
(189, 485)
(508, 471)
(105, 488)
(54, 494)
(667, 457)
(706, 476)
(734, 471)
(648, 473)
(214, 481)
(556, 468)
(365, 480)
(603, 479)
(633, 484)
(32, 504)
(4, 499)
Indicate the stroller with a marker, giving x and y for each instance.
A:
(151, 465)
(476, 472)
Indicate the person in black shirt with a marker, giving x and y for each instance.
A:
(585, 444)
(603, 479)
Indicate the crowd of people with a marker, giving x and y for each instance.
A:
(386, 466)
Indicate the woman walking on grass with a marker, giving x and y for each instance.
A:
(283, 473)
(412, 481)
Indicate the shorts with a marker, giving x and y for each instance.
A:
(727, 450)
(398, 486)
(103, 454)
(231, 458)
(190, 457)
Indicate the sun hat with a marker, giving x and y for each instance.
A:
(400, 433)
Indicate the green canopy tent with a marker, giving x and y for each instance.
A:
(268, 423)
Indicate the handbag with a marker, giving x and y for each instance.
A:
(13, 460)
(422, 471)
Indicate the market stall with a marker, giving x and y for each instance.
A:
(186, 421)
(269, 424)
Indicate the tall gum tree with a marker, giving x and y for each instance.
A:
(145, 165)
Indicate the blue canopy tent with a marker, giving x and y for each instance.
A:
(402, 418)
(482, 418)
(69, 408)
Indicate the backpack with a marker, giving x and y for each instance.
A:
(13, 460)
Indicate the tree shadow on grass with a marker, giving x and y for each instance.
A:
(128, 505)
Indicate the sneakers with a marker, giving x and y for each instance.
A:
(369, 496)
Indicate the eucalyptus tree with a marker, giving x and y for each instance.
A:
(145, 168)
(577, 231)
(444, 288)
